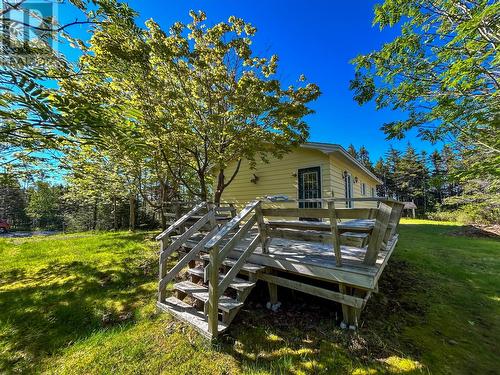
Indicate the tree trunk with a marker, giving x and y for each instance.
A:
(115, 219)
(132, 213)
(220, 187)
(221, 182)
(163, 219)
(94, 215)
(203, 188)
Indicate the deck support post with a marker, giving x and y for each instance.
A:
(335, 233)
(350, 314)
(345, 308)
(273, 293)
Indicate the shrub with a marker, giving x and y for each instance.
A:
(472, 213)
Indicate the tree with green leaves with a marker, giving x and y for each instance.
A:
(36, 117)
(12, 200)
(230, 105)
(95, 179)
(408, 175)
(122, 81)
(473, 200)
(44, 205)
(442, 70)
(392, 159)
(381, 170)
(192, 100)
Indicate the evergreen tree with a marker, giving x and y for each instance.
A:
(392, 159)
(438, 175)
(408, 174)
(364, 158)
(352, 151)
(382, 172)
(12, 201)
(427, 201)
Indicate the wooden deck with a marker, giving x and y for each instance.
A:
(340, 257)
(314, 259)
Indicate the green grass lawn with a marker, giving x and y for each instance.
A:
(84, 303)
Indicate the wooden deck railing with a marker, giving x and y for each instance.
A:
(217, 288)
(220, 242)
(179, 222)
(168, 248)
(386, 220)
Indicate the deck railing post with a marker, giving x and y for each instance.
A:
(335, 233)
(378, 234)
(213, 291)
(262, 228)
(233, 210)
(163, 271)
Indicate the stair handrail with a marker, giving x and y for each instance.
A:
(230, 225)
(209, 217)
(165, 251)
(181, 221)
(215, 289)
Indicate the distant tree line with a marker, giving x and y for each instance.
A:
(433, 183)
(46, 206)
(148, 116)
(101, 200)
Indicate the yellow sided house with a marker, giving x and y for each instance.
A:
(311, 171)
(308, 222)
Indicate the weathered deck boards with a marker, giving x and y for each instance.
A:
(316, 260)
(358, 225)
(276, 252)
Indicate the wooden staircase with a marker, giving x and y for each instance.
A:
(194, 311)
(217, 286)
(219, 277)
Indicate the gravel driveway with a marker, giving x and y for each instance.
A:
(28, 234)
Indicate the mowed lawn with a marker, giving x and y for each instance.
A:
(84, 303)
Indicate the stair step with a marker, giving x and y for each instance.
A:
(195, 238)
(354, 234)
(248, 267)
(237, 283)
(185, 312)
(217, 217)
(200, 292)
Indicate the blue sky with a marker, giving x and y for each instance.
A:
(315, 38)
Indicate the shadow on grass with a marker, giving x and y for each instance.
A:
(305, 335)
(49, 309)
(44, 312)
(430, 285)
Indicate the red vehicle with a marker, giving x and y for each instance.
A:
(4, 226)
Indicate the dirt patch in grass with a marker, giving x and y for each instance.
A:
(305, 331)
(478, 231)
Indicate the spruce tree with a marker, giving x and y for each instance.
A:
(352, 151)
(364, 158)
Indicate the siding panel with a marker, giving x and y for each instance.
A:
(279, 177)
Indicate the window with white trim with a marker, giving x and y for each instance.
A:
(374, 192)
(363, 188)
